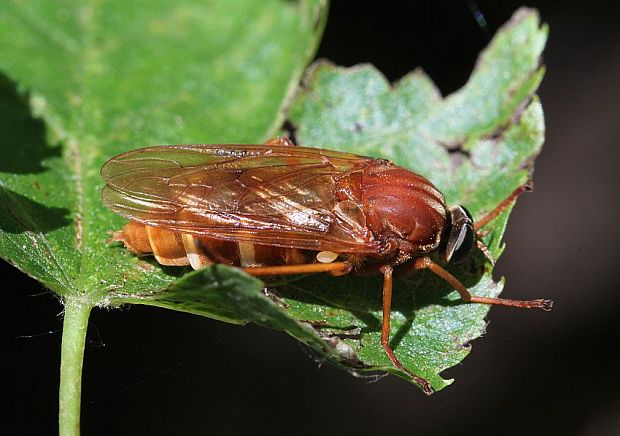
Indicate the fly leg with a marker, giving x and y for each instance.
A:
(334, 268)
(385, 331)
(427, 263)
(526, 187)
(342, 268)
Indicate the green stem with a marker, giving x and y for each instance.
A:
(71, 359)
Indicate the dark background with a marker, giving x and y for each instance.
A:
(151, 371)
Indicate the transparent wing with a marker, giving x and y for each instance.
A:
(273, 195)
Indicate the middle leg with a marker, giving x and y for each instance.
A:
(385, 331)
(334, 268)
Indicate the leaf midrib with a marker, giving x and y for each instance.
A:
(63, 43)
(74, 147)
(82, 155)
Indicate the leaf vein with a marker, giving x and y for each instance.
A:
(49, 33)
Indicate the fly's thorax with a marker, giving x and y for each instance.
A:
(403, 209)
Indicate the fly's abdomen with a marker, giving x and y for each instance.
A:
(178, 249)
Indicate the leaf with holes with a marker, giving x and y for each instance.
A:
(476, 145)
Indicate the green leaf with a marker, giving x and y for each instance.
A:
(107, 76)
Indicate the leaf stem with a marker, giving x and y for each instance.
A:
(71, 359)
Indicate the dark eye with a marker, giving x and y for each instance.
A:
(463, 245)
(462, 237)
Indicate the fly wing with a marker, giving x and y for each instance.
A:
(270, 195)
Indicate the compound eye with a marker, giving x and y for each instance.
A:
(462, 236)
(463, 245)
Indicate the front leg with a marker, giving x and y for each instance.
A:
(427, 263)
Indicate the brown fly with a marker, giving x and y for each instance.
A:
(278, 209)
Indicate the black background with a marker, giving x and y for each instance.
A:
(151, 371)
